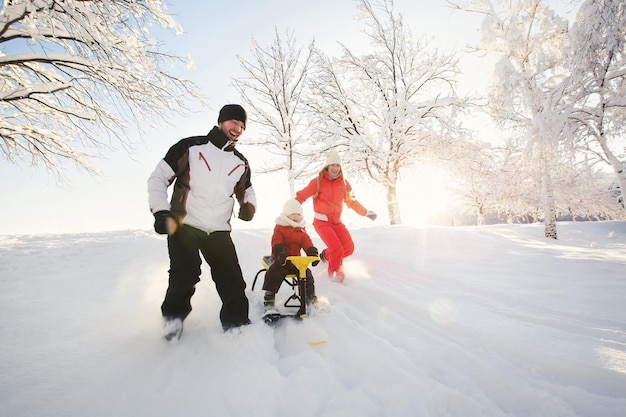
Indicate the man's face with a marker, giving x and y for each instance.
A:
(232, 129)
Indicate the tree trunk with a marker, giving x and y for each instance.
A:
(549, 218)
(292, 184)
(480, 216)
(393, 206)
(619, 170)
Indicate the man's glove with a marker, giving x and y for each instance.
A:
(280, 253)
(371, 215)
(160, 221)
(312, 251)
(246, 212)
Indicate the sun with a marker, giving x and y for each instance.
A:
(424, 195)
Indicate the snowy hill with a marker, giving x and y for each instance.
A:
(462, 322)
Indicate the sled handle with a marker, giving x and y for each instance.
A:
(302, 263)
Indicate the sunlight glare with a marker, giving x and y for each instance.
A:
(424, 195)
(610, 358)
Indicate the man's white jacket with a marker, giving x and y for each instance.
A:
(206, 176)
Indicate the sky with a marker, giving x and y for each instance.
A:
(490, 321)
(34, 201)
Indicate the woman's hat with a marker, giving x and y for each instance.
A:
(292, 207)
(332, 157)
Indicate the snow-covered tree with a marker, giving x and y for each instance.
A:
(489, 181)
(498, 181)
(390, 108)
(273, 91)
(73, 73)
(526, 90)
(616, 191)
(475, 172)
(516, 197)
(584, 193)
(598, 81)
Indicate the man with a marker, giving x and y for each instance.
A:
(207, 171)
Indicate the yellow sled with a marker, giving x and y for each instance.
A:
(296, 282)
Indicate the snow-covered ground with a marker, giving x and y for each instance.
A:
(461, 322)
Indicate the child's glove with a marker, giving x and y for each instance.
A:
(312, 251)
(371, 215)
(280, 253)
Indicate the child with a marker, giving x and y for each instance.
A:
(288, 239)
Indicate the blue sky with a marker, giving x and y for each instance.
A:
(34, 202)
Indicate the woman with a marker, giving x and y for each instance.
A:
(330, 190)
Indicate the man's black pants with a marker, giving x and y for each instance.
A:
(217, 248)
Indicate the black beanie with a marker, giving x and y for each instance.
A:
(233, 112)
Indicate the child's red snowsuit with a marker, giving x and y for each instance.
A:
(294, 239)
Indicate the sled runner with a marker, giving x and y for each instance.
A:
(296, 282)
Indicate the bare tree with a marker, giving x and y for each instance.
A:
(391, 108)
(73, 72)
(273, 89)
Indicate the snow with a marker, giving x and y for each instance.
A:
(466, 321)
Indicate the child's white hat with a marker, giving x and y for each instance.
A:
(292, 207)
